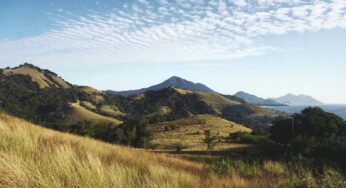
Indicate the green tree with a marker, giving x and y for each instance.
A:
(311, 122)
(209, 140)
(137, 132)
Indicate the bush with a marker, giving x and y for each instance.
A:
(252, 139)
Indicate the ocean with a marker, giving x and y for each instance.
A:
(339, 110)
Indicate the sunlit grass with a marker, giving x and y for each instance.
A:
(31, 156)
(189, 132)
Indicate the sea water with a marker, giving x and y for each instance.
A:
(339, 110)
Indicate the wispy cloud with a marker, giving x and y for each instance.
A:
(167, 31)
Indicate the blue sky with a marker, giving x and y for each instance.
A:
(265, 47)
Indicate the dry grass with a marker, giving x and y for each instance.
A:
(88, 105)
(111, 111)
(214, 100)
(190, 132)
(37, 77)
(31, 156)
(79, 113)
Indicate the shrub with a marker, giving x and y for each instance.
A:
(252, 139)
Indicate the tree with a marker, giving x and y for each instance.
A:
(137, 132)
(209, 140)
(311, 122)
(143, 134)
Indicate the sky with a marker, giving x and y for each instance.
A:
(265, 47)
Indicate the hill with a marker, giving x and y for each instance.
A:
(44, 78)
(174, 103)
(41, 96)
(253, 99)
(291, 99)
(189, 132)
(78, 113)
(174, 81)
(32, 156)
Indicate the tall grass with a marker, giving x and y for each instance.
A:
(277, 174)
(31, 156)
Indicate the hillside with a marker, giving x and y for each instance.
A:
(253, 99)
(43, 97)
(179, 103)
(31, 156)
(78, 113)
(174, 81)
(189, 132)
(44, 78)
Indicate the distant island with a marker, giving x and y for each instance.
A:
(253, 99)
(289, 99)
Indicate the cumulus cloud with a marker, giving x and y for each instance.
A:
(174, 31)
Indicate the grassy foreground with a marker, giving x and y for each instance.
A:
(31, 156)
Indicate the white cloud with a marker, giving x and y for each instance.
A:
(241, 3)
(186, 31)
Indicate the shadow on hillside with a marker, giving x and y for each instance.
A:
(231, 152)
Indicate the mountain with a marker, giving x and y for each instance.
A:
(291, 99)
(174, 81)
(253, 99)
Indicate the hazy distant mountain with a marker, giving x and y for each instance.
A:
(253, 99)
(174, 81)
(291, 99)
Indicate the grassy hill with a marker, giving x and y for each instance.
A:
(43, 78)
(79, 113)
(31, 156)
(189, 132)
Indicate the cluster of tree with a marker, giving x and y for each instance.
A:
(133, 132)
(313, 134)
(21, 97)
(258, 136)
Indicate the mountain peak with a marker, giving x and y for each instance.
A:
(173, 81)
(174, 78)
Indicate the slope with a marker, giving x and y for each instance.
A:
(189, 132)
(31, 156)
(43, 78)
(77, 113)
